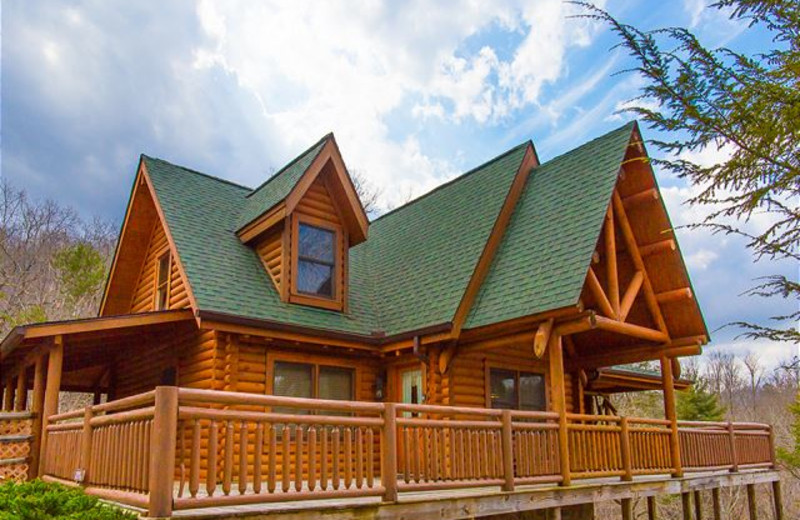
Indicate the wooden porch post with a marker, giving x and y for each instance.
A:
(627, 508)
(716, 503)
(8, 395)
(671, 415)
(389, 453)
(22, 389)
(686, 503)
(698, 505)
(37, 406)
(508, 452)
(559, 400)
(55, 362)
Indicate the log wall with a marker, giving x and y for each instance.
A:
(143, 299)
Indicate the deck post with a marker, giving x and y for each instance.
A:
(752, 507)
(777, 499)
(732, 444)
(162, 452)
(686, 503)
(86, 443)
(671, 415)
(698, 505)
(508, 452)
(37, 406)
(55, 362)
(558, 397)
(625, 449)
(716, 503)
(627, 508)
(652, 511)
(389, 453)
(22, 389)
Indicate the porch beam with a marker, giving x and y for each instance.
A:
(542, 338)
(629, 329)
(612, 274)
(600, 295)
(648, 195)
(684, 293)
(680, 347)
(662, 246)
(633, 249)
(55, 362)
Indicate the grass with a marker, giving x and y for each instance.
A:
(37, 500)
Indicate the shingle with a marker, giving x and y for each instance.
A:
(543, 259)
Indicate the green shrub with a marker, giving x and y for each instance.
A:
(39, 500)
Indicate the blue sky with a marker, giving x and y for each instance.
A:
(414, 96)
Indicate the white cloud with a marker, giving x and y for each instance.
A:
(347, 67)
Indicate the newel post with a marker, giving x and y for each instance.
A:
(625, 449)
(508, 452)
(86, 446)
(162, 451)
(389, 453)
(732, 443)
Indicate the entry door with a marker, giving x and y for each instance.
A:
(411, 386)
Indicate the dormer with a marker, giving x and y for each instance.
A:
(302, 223)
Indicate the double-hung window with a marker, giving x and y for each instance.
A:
(162, 282)
(517, 390)
(316, 261)
(292, 379)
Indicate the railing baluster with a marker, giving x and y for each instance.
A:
(227, 475)
(359, 458)
(298, 458)
(243, 439)
(194, 470)
(285, 458)
(258, 452)
(370, 461)
(211, 471)
(335, 457)
(272, 458)
(312, 458)
(323, 463)
(348, 457)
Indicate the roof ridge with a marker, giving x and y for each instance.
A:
(190, 170)
(587, 143)
(454, 180)
(291, 163)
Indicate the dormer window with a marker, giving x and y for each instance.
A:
(316, 260)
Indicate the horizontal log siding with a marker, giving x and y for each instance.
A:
(317, 202)
(144, 292)
(270, 250)
(466, 382)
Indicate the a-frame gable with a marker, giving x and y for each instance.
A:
(637, 276)
(143, 241)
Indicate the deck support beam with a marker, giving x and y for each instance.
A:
(777, 499)
(686, 505)
(652, 510)
(627, 508)
(716, 504)
(698, 505)
(671, 415)
(55, 363)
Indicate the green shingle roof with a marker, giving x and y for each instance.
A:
(413, 269)
(277, 187)
(542, 262)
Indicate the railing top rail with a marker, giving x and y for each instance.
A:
(190, 412)
(73, 414)
(646, 420)
(522, 414)
(724, 425)
(146, 398)
(588, 417)
(192, 395)
(448, 410)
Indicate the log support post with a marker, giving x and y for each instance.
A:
(716, 503)
(55, 362)
(627, 508)
(37, 407)
(652, 510)
(698, 505)
(558, 397)
(625, 449)
(686, 503)
(162, 452)
(777, 499)
(671, 415)
(508, 452)
(8, 395)
(389, 453)
(752, 506)
(22, 389)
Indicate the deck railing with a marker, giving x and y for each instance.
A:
(179, 448)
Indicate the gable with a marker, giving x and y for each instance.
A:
(131, 284)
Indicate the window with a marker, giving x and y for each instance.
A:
(316, 260)
(309, 380)
(515, 390)
(162, 282)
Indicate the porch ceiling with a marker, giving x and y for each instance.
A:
(89, 344)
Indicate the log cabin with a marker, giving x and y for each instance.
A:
(455, 356)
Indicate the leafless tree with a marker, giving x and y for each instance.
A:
(368, 193)
(755, 371)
